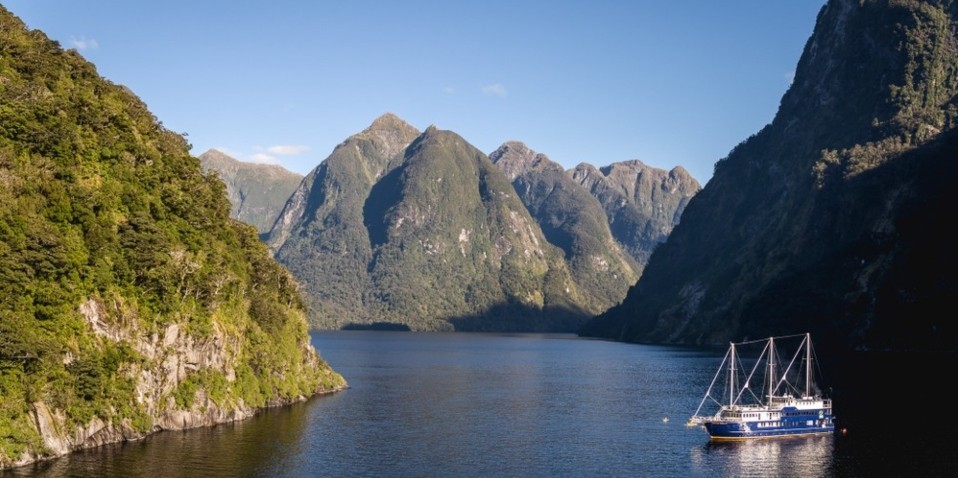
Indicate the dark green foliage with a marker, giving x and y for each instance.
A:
(103, 211)
(831, 218)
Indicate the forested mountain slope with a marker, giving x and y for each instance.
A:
(130, 302)
(835, 217)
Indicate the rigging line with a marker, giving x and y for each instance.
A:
(708, 392)
(780, 337)
(784, 375)
(748, 380)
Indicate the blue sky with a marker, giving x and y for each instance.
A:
(670, 83)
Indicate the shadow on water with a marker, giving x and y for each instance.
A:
(891, 420)
(464, 405)
(891, 411)
(511, 317)
(246, 448)
(385, 326)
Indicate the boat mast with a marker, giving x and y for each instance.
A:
(808, 364)
(771, 368)
(731, 375)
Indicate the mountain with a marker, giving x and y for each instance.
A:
(642, 204)
(257, 192)
(321, 236)
(421, 230)
(130, 302)
(834, 217)
(573, 220)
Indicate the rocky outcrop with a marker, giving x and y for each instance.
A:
(642, 204)
(574, 221)
(168, 358)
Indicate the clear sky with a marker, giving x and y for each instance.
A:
(668, 82)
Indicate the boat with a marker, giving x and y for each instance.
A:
(787, 403)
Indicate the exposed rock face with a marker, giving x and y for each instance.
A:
(573, 220)
(822, 221)
(516, 160)
(421, 230)
(642, 204)
(169, 357)
(257, 192)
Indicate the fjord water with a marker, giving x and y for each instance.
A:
(463, 405)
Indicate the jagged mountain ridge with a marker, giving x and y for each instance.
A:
(257, 192)
(571, 219)
(817, 221)
(642, 204)
(369, 232)
(420, 229)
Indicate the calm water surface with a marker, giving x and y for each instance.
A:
(486, 405)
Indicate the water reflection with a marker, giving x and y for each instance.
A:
(481, 405)
(261, 445)
(795, 456)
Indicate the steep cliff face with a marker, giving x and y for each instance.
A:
(817, 222)
(257, 192)
(573, 220)
(130, 302)
(642, 204)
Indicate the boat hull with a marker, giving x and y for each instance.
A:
(744, 431)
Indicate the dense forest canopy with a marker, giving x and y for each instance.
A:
(115, 250)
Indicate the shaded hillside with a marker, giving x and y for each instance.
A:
(422, 231)
(130, 302)
(321, 236)
(257, 192)
(642, 204)
(832, 218)
(574, 221)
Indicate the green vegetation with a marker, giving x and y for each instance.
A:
(831, 218)
(327, 246)
(112, 239)
(572, 220)
(422, 230)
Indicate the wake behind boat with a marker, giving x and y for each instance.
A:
(788, 402)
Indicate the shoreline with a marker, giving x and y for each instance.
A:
(98, 433)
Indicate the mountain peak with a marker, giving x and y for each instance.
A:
(518, 147)
(392, 134)
(388, 122)
(516, 159)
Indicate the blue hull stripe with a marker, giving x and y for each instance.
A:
(735, 431)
